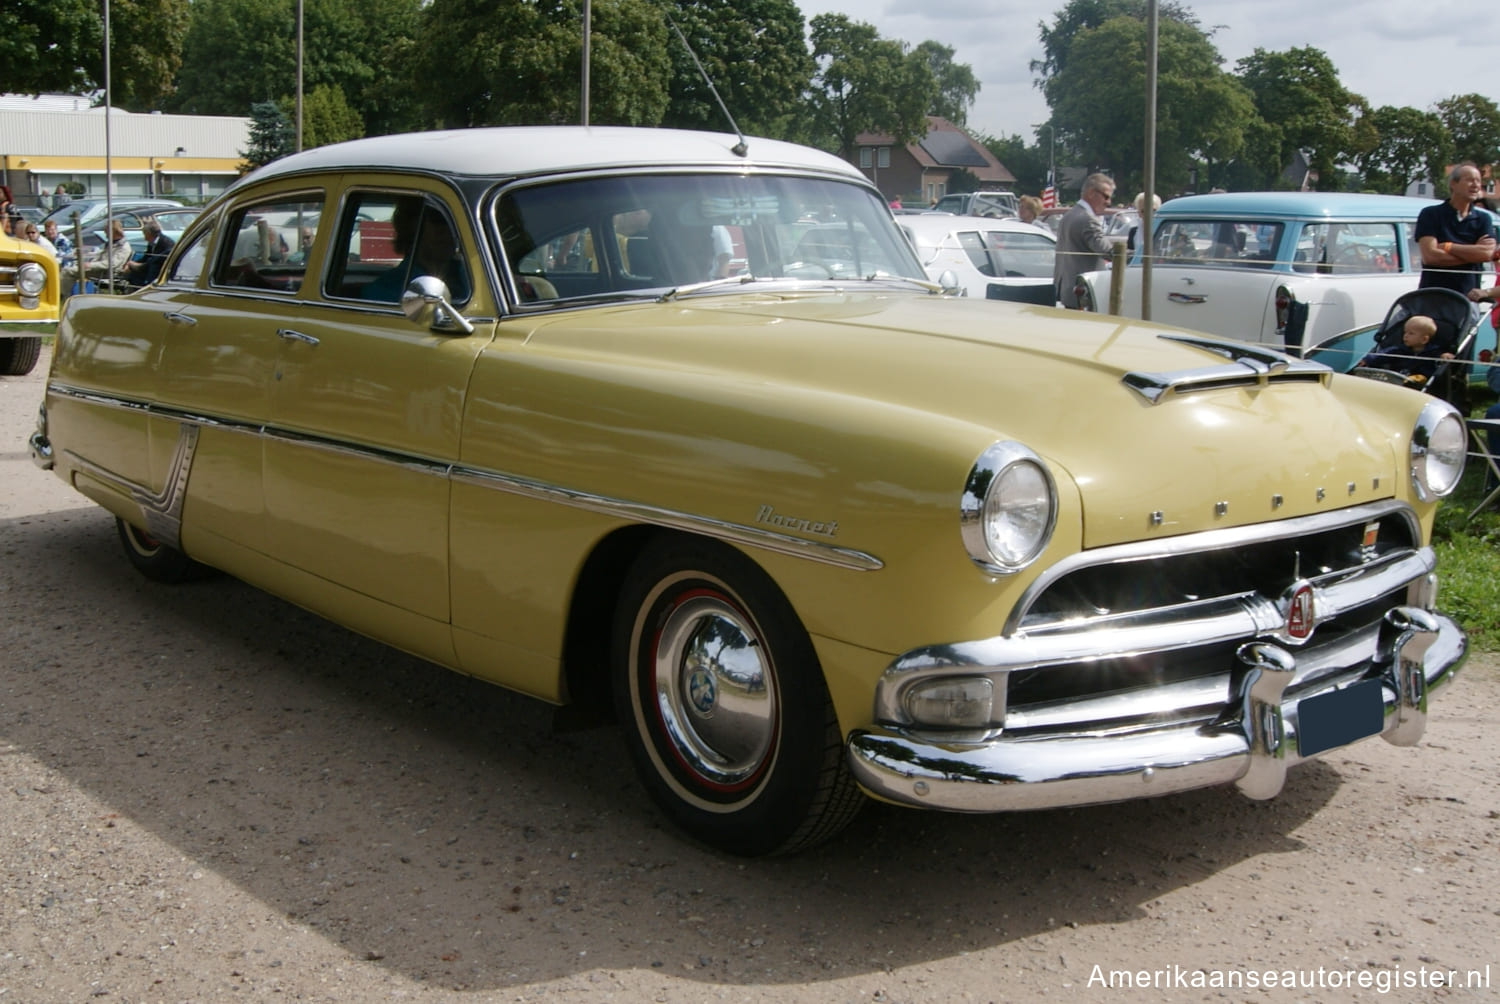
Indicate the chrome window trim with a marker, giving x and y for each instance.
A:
(736, 533)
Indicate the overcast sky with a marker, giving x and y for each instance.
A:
(1394, 52)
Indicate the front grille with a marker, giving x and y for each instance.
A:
(1253, 568)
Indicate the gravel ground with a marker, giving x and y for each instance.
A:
(207, 794)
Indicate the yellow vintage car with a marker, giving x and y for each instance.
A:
(28, 303)
(671, 427)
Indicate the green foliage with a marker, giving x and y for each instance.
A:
(516, 62)
(1469, 562)
(326, 117)
(1409, 145)
(58, 45)
(1299, 90)
(1078, 16)
(146, 39)
(865, 83)
(1028, 163)
(1098, 99)
(272, 136)
(240, 52)
(957, 87)
(753, 51)
(1474, 123)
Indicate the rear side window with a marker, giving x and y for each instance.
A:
(1020, 255)
(1348, 248)
(385, 239)
(268, 245)
(973, 246)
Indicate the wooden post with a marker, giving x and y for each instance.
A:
(1117, 258)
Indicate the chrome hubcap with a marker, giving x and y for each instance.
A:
(715, 690)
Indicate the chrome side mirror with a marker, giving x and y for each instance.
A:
(949, 281)
(426, 302)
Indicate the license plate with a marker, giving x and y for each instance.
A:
(1339, 717)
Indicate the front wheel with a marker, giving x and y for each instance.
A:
(156, 560)
(18, 356)
(724, 705)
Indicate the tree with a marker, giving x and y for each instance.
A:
(865, 83)
(240, 52)
(755, 54)
(1099, 99)
(1299, 90)
(326, 117)
(1410, 145)
(1474, 123)
(271, 136)
(957, 87)
(516, 61)
(1029, 164)
(58, 45)
(1082, 15)
(145, 52)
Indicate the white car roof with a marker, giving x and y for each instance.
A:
(519, 151)
(931, 229)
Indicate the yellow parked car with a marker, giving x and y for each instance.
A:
(28, 303)
(672, 427)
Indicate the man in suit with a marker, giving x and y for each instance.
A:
(158, 245)
(1080, 238)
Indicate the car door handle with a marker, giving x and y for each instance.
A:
(1187, 298)
(177, 317)
(296, 336)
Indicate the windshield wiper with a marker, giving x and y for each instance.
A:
(699, 287)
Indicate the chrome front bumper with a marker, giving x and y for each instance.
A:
(1251, 740)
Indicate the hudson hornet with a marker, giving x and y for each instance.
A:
(670, 428)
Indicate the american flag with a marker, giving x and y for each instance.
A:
(1049, 198)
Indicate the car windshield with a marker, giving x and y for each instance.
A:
(620, 235)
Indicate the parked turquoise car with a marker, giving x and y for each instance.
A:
(1289, 268)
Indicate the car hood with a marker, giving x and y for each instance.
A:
(1058, 381)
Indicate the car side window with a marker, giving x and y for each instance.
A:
(1348, 248)
(267, 245)
(1241, 243)
(1022, 255)
(979, 256)
(189, 265)
(385, 239)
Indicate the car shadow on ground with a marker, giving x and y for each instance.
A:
(436, 825)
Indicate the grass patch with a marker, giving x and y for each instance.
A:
(1468, 556)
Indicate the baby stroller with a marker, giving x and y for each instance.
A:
(1457, 322)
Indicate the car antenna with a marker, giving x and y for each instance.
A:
(740, 149)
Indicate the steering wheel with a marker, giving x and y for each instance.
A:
(1360, 255)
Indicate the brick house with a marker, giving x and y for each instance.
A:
(924, 167)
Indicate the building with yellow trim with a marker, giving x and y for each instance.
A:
(52, 140)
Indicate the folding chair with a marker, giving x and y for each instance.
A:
(1479, 432)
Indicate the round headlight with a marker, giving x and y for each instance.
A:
(1008, 510)
(1438, 450)
(31, 279)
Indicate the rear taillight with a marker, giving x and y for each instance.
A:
(1284, 300)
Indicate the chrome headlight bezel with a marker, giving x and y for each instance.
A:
(1439, 447)
(1004, 538)
(31, 280)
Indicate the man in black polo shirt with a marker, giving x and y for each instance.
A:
(1456, 237)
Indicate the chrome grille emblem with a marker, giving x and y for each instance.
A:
(1301, 618)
